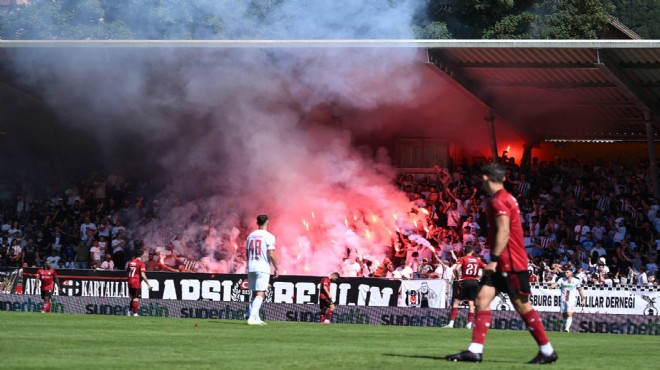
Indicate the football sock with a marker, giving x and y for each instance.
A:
(47, 306)
(256, 306)
(568, 322)
(476, 348)
(481, 326)
(134, 306)
(470, 316)
(547, 349)
(453, 314)
(328, 315)
(535, 325)
(322, 317)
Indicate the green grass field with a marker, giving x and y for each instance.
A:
(38, 341)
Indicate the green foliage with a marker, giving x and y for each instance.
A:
(432, 31)
(540, 19)
(267, 19)
(641, 16)
(515, 26)
(573, 19)
(25, 22)
(472, 18)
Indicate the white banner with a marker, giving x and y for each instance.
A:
(614, 301)
(423, 293)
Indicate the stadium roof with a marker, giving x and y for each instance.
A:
(546, 90)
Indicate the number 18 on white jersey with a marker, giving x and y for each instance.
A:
(258, 243)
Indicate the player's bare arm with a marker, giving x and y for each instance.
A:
(327, 293)
(582, 299)
(456, 269)
(144, 278)
(503, 224)
(273, 260)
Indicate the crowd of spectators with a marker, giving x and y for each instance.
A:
(81, 227)
(598, 219)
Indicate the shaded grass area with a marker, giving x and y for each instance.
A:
(38, 341)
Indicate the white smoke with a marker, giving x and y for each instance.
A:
(233, 133)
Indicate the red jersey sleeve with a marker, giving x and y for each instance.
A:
(500, 208)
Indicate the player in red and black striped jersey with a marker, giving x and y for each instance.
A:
(325, 298)
(470, 267)
(506, 272)
(48, 278)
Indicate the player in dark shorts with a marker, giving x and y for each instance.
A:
(506, 272)
(48, 279)
(467, 285)
(136, 275)
(325, 298)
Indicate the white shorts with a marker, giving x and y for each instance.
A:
(258, 281)
(566, 307)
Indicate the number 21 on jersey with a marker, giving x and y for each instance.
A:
(472, 269)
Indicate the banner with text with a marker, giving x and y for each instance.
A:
(221, 287)
(614, 301)
(346, 292)
(205, 311)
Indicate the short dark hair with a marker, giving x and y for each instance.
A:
(494, 171)
(262, 219)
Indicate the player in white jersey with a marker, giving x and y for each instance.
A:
(568, 286)
(260, 248)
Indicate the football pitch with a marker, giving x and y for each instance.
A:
(64, 341)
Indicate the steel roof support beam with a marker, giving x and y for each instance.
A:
(530, 65)
(555, 85)
(446, 71)
(467, 87)
(491, 133)
(653, 161)
(526, 160)
(450, 73)
(631, 89)
(635, 93)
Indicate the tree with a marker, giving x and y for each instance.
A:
(522, 19)
(572, 19)
(273, 19)
(39, 20)
(641, 16)
(59, 19)
(514, 26)
(469, 19)
(432, 31)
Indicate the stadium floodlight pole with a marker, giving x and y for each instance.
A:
(493, 141)
(653, 161)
